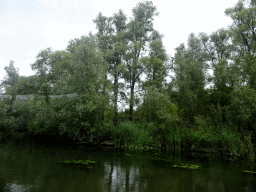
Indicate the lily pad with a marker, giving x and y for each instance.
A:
(247, 171)
(187, 166)
(79, 162)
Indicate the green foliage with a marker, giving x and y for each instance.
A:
(11, 79)
(131, 135)
(45, 121)
(5, 113)
(231, 140)
(84, 163)
(244, 40)
(126, 62)
(243, 108)
(189, 66)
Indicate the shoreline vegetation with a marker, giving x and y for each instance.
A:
(24, 126)
(125, 64)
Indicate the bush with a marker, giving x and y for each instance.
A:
(131, 135)
(15, 116)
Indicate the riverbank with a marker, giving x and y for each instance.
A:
(60, 122)
(230, 146)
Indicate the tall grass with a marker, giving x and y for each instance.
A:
(130, 134)
(231, 140)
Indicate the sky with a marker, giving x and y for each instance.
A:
(29, 26)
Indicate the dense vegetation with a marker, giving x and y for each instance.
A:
(209, 103)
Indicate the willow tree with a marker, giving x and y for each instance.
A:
(139, 30)
(124, 45)
(156, 62)
(156, 71)
(219, 50)
(243, 33)
(189, 67)
(87, 80)
(243, 36)
(113, 43)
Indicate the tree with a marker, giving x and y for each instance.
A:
(27, 85)
(156, 63)
(113, 43)
(11, 79)
(87, 80)
(126, 44)
(243, 31)
(156, 70)
(219, 48)
(42, 65)
(139, 30)
(189, 67)
(243, 36)
(61, 65)
(253, 2)
(158, 108)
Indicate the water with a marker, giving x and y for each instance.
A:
(28, 168)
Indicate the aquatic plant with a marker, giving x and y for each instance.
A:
(187, 166)
(247, 171)
(79, 162)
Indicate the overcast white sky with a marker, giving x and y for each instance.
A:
(28, 26)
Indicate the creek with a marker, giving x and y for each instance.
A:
(33, 167)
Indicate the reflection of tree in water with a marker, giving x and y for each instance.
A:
(24, 168)
(13, 187)
(122, 178)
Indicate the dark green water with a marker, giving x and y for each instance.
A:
(38, 168)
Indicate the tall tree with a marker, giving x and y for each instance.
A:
(243, 36)
(219, 49)
(139, 30)
(189, 67)
(113, 43)
(87, 80)
(156, 71)
(243, 31)
(156, 63)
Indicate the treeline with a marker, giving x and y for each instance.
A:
(208, 103)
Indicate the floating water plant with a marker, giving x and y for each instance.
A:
(187, 166)
(79, 162)
(128, 155)
(247, 171)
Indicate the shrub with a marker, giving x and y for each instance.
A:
(130, 134)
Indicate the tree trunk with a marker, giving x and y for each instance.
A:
(115, 100)
(131, 100)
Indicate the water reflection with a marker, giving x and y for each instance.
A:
(37, 168)
(13, 187)
(118, 178)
